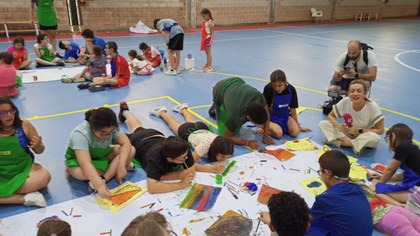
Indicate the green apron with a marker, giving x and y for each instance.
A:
(15, 164)
(46, 13)
(98, 157)
(47, 54)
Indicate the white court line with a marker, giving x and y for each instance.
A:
(397, 59)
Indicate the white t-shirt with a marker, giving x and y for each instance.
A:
(362, 68)
(145, 68)
(153, 52)
(365, 118)
(201, 140)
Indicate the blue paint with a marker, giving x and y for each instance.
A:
(314, 184)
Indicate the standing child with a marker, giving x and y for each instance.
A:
(282, 101)
(45, 53)
(205, 143)
(71, 50)
(20, 54)
(151, 54)
(207, 37)
(175, 43)
(406, 157)
(343, 208)
(95, 67)
(138, 65)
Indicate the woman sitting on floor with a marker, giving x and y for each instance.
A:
(20, 176)
(364, 125)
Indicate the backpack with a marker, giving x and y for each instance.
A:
(365, 49)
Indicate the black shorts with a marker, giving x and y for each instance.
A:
(186, 129)
(142, 139)
(177, 42)
(43, 27)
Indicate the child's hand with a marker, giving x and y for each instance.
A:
(254, 144)
(218, 168)
(121, 173)
(187, 180)
(375, 176)
(103, 191)
(35, 142)
(265, 217)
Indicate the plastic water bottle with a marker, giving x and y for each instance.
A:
(189, 62)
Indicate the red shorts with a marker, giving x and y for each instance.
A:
(122, 82)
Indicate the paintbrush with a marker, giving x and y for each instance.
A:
(188, 169)
(258, 225)
(233, 194)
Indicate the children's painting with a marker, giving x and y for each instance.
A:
(201, 197)
(266, 192)
(122, 196)
(279, 153)
(230, 224)
(314, 186)
(300, 145)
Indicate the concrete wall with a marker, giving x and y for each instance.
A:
(121, 14)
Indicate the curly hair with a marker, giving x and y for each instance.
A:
(289, 214)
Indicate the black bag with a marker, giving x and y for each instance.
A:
(328, 105)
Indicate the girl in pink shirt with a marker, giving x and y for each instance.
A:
(8, 76)
(20, 54)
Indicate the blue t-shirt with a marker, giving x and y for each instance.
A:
(73, 52)
(342, 209)
(97, 41)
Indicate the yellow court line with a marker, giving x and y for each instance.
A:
(311, 90)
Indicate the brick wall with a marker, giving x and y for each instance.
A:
(104, 15)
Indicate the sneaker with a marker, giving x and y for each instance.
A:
(157, 110)
(96, 88)
(123, 107)
(83, 85)
(208, 69)
(79, 80)
(67, 80)
(91, 189)
(178, 108)
(34, 199)
(171, 72)
(60, 63)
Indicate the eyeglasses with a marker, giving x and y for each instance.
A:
(4, 113)
(335, 176)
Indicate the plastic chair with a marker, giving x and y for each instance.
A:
(316, 14)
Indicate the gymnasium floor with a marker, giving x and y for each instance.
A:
(306, 53)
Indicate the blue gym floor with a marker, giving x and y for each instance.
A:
(307, 54)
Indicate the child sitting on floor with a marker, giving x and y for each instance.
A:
(45, 53)
(95, 67)
(71, 50)
(343, 208)
(151, 54)
(288, 214)
(8, 83)
(406, 157)
(20, 54)
(138, 65)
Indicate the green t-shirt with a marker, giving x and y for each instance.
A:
(235, 96)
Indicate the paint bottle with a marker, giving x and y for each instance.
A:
(189, 62)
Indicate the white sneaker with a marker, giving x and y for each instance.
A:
(171, 72)
(131, 167)
(178, 108)
(34, 199)
(157, 110)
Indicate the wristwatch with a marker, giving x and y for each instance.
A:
(356, 75)
(360, 131)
